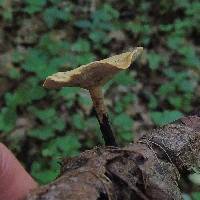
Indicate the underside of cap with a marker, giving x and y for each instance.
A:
(93, 74)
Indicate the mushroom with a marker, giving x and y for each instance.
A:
(92, 77)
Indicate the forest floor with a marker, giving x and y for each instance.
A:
(38, 38)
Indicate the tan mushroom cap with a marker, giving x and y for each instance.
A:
(93, 74)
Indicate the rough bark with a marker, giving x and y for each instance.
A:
(148, 169)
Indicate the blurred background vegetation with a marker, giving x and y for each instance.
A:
(40, 37)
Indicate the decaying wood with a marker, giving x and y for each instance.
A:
(148, 169)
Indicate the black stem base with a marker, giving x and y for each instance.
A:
(106, 131)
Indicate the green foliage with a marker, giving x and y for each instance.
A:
(195, 195)
(33, 6)
(100, 24)
(154, 60)
(78, 121)
(124, 124)
(124, 78)
(162, 118)
(195, 178)
(179, 90)
(161, 87)
(54, 15)
(7, 119)
(56, 148)
(44, 175)
(6, 11)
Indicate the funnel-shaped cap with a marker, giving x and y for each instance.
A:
(93, 74)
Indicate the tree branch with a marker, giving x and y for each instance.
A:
(148, 169)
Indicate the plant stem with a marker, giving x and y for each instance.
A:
(102, 116)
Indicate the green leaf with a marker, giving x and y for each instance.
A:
(17, 56)
(154, 60)
(99, 36)
(182, 4)
(69, 93)
(81, 45)
(45, 115)
(195, 195)
(8, 14)
(195, 178)
(175, 42)
(166, 27)
(83, 24)
(2, 2)
(62, 146)
(54, 47)
(24, 94)
(125, 78)
(78, 121)
(135, 27)
(33, 6)
(48, 117)
(58, 124)
(42, 133)
(106, 13)
(8, 118)
(14, 74)
(191, 57)
(36, 61)
(166, 117)
(68, 144)
(166, 89)
(126, 136)
(123, 122)
(52, 15)
(176, 101)
(84, 58)
(44, 174)
(122, 104)
(153, 102)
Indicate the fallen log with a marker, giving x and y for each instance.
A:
(148, 169)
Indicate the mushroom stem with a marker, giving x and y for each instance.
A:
(102, 116)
